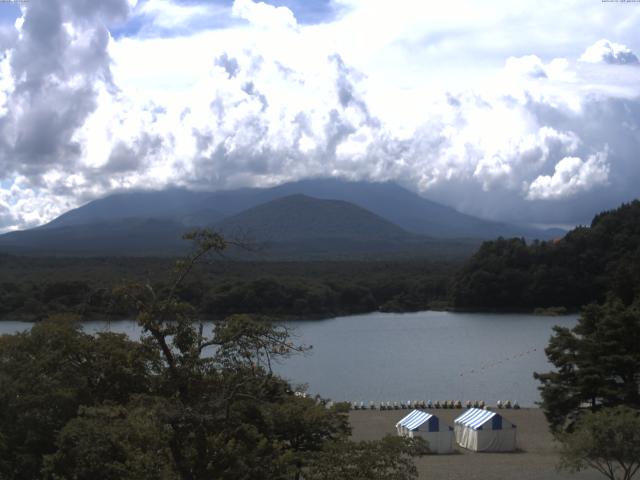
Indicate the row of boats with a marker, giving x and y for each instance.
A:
(418, 404)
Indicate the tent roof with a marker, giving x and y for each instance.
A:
(475, 417)
(414, 419)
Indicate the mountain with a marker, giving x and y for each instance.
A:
(402, 207)
(299, 226)
(320, 217)
(292, 227)
(130, 236)
(300, 217)
(176, 205)
(393, 203)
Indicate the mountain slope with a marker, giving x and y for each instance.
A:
(132, 236)
(302, 217)
(302, 227)
(177, 205)
(404, 208)
(388, 200)
(293, 227)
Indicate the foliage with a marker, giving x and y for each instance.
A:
(388, 459)
(597, 363)
(584, 266)
(33, 288)
(608, 441)
(113, 442)
(183, 403)
(46, 374)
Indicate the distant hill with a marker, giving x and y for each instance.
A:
(299, 226)
(131, 236)
(300, 217)
(405, 208)
(398, 205)
(333, 217)
(177, 205)
(292, 227)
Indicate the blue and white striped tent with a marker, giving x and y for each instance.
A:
(484, 431)
(427, 426)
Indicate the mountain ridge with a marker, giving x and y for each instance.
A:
(386, 199)
(320, 218)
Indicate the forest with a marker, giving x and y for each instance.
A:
(587, 265)
(34, 288)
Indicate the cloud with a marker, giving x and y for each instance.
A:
(529, 65)
(229, 64)
(167, 14)
(571, 175)
(484, 116)
(604, 51)
(59, 59)
(264, 15)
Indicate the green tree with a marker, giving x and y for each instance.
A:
(113, 442)
(183, 403)
(388, 459)
(47, 373)
(597, 364)
(607, 440)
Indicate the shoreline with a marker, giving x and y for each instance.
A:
(536, 456)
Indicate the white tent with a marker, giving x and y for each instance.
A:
(427, 426)
(484, 431)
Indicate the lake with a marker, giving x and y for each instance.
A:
(412, 356)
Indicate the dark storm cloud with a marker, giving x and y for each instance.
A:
(59, 58)
(129, 158)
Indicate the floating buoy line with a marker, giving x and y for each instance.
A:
(487, 366)
(416, 404)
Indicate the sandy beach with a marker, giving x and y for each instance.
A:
(536, 457)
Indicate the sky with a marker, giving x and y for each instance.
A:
(526, 112)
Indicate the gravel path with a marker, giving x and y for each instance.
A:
(536, 457)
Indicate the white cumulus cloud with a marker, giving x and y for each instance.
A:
(571, 175)
(264, 15)
(604, 51)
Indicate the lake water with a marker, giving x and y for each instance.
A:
(413, 356)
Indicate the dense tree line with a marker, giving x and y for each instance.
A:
(36, 288)
(585, 266)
